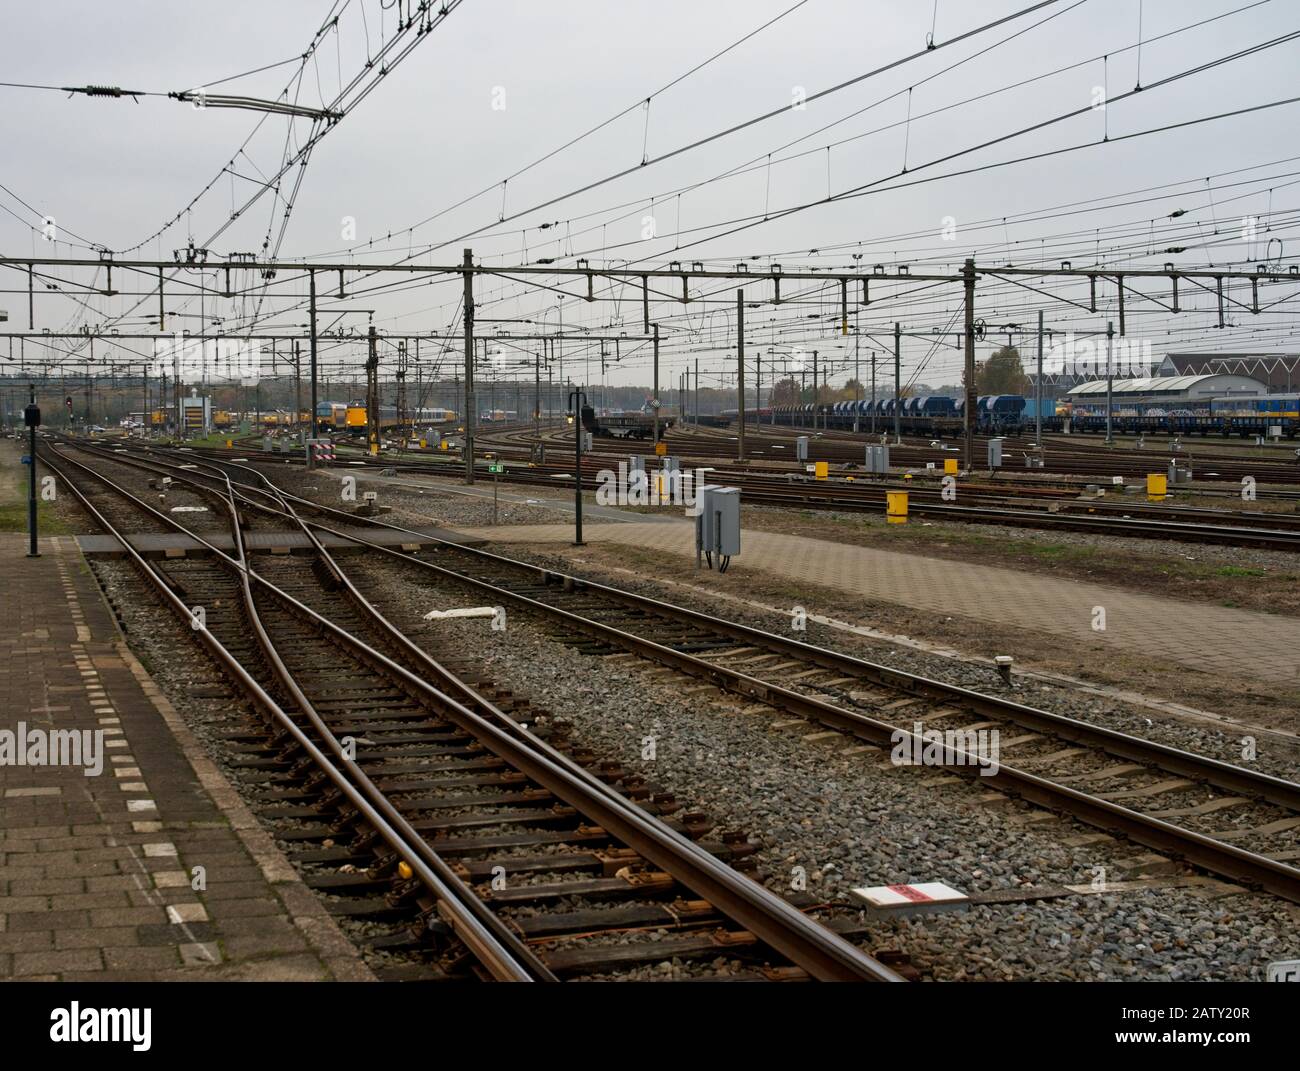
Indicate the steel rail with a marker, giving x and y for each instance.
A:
(761, 490)
(479, 938)
(807, 943)
(1213, 855)
(520, 953)
(1222, 774)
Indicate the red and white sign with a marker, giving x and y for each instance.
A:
(926, 894)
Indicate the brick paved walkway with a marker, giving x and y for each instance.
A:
(97, 872)
(1213, 638)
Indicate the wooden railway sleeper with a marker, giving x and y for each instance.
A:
(348, 817)
(329, 800)
(404, 891)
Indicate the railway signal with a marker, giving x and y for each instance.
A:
(495, 467)
(577, 402)
(32, 419)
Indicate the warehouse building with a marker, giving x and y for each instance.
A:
(1165, 392)
(1278, 371)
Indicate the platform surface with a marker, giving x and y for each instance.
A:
(96, 872)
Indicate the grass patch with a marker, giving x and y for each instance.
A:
(13, 518)
(13, 498)
(1239, 570)
(215, 439)
(1050, 551)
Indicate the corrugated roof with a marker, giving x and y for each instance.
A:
(1148, 385)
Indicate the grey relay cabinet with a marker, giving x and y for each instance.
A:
(717, 527)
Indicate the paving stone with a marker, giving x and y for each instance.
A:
(27, 940)
(141, 958)
(200, 954)
(73, 959)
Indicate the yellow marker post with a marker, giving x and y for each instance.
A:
(950, 466)
(1157, 486)
(661, 449)
(230, 444)
(374, 449)
(424, 444)
(820, 470)
(896, 513)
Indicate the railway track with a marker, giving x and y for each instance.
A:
(1225, 818)
(1271, 531)
(444, 800)
(1065, 456)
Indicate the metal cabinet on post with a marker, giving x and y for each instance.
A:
(995, 453)
(717, 528)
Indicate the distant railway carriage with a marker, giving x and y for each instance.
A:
(934, 415)
(1280, 405)
(435, 415)
(331, 415)
(1002, 408)
(350, 419)
(935, 405)
(1048, 408)
(624, 425)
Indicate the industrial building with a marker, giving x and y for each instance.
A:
(1278, 371)
(1165, 392)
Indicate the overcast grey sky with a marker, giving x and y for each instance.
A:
(111, 172)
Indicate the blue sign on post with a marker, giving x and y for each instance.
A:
(27, 459)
